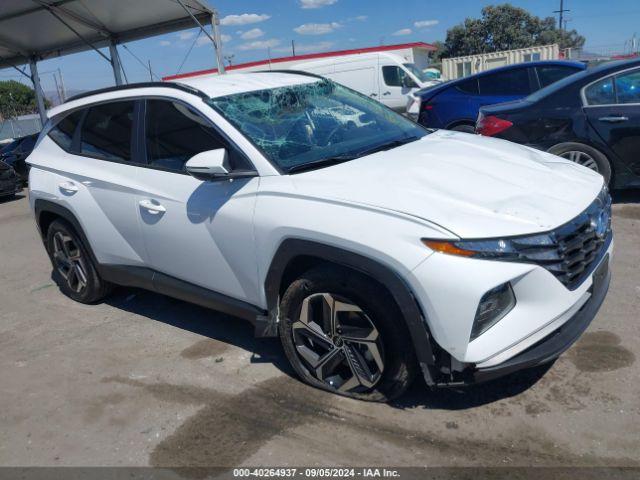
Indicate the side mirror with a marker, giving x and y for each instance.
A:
(209, 165)
(213, 165)
(407, 82)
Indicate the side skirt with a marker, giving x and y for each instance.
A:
(148, 279)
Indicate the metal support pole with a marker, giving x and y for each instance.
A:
(215, 25)
(115, 62)
(35, 78)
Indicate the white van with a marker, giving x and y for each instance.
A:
(384, 76)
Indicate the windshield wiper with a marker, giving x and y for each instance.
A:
(324, 162)
(387, 146)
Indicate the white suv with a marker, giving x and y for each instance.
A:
(372, 246)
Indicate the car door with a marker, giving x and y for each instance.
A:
(612, 107)
(395, 84)
(200, 232)
(95, 177)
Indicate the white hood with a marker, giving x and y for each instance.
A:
(476, 187)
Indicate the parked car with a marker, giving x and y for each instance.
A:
(454, 105)
(15, 154)
(371, 246)
(9, 181)
(591, 118)
(383, 76)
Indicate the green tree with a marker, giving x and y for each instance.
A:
(505, 27)
(16, 99)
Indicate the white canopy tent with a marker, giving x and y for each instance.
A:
(34, 30)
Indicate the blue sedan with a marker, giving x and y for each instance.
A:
(454, 105)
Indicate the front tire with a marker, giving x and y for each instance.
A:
(343, 333)
(73, 269)
(584, 155)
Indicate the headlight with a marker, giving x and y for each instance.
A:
(493, 306)
(502, 248)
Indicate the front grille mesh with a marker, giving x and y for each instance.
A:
(574, 248)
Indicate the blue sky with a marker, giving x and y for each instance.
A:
(252, 26)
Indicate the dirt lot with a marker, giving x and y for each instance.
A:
(146, 380)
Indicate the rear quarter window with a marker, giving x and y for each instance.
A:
(552, 73)
(469, 86)
(62, 133)
(511, 82)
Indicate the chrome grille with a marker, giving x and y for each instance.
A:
(575, 247)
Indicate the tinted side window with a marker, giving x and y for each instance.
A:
(392, 76)
(470, 86)
(63, 132)
(175, 133)
(628, 87)
(601, 93)
(511, 82)
(551, 74)
(107, 130)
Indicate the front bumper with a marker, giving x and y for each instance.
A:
(553, 345)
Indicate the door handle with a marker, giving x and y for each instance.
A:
(387, 93)
(68, 187)
(152, 208)
(613, 119)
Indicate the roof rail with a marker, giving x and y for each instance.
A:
(116, 88)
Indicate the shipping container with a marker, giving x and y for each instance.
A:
(459, 67)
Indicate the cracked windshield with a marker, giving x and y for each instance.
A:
(315, 124)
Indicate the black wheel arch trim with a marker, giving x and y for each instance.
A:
(414, 317)
(45, 206)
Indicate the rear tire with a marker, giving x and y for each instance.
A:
(464, 128)
(584, 155)
(73, 268)
(364, 353)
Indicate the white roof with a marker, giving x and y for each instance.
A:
(220, 85)
(211, 85)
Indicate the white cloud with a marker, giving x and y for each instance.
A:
(251, 34)
(186, 35)
(404, 31)
(316, 28)
(244, 19)
(307, 47)
(425, 23)
(165, 43)
(316, 3)
(362, 18)
(260, 44)
(204, 40)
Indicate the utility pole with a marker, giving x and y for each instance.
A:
(63, 91)
(59, 95)
(150, 71)
(561, 14)
(215, 25)
(293, 47)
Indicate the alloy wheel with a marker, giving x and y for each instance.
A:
(581, 158)
(338, 343)
(69, 261)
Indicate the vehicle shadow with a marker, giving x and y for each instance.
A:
(631, 195)
(470, 396)
(238, 332)
(201, 321)
(16, 197)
